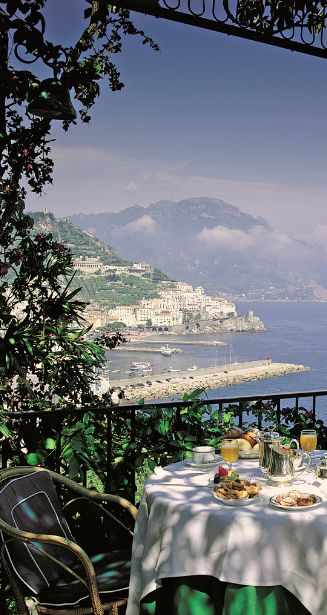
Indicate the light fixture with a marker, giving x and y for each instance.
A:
(52, 101)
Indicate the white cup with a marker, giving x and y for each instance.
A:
(203, 454)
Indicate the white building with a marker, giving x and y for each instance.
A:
(88, 265)
(123, 313)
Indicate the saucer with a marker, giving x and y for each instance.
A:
(202, 466)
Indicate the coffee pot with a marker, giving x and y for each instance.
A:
(285, 463)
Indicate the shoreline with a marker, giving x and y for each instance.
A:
(174, 385)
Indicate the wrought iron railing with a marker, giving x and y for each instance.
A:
(128, 412)
(295, 25)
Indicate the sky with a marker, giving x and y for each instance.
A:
(208, 115)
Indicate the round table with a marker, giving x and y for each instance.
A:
(186, 541)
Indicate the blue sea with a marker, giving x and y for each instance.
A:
(296, 333)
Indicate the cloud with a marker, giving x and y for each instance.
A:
(145, 224)
(317, 238)
(257, 240)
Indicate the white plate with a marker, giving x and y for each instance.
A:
(203, 466)
(302, 508)
(236, 502)
(249, 454)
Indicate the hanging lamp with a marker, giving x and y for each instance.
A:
(52, 101)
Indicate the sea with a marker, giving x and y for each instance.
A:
(295, 333)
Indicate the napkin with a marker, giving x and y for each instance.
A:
(163, 477)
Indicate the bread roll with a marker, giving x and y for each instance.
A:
(234, 432)
(256, 447)
(249, 438)
(243, 444)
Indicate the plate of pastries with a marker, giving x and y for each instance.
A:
(295, 500)
(235, 490)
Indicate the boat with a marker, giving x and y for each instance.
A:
(172, 369)
(192, 369)
(140, 365)
(166, 350)
(138, 368)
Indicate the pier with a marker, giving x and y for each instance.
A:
(141, 349)
(174, 384)
(186, 342)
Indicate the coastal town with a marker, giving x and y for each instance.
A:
(177, 303)
(177, 308)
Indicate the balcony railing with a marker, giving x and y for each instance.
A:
(127, 414)
(27, 422)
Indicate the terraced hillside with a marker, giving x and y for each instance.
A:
(103, 290)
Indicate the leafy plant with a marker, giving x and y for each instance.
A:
(46, 359)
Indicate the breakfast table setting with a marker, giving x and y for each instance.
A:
(238, 534)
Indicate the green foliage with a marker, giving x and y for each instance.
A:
(46, 359)
(44, 355)
(12, 607)
(162, 436)
(274, 16)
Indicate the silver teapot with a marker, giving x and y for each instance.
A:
(286, 463)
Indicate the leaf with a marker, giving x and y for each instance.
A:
(73, 466)
(28, 346)
(50, 444)
(139, 461)
(5, 431)
(33, 459)
(152, 464)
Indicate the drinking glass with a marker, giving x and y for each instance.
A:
(229, 451)
(308, 440)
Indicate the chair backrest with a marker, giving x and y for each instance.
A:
(30, 503)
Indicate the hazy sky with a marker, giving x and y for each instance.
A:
(209, 115)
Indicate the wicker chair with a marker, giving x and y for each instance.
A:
(49, 572)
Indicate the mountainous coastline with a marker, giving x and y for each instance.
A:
(208, 242)
(132, 294)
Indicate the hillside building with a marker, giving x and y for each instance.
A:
(170, 307)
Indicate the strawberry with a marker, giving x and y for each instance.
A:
(222, 471)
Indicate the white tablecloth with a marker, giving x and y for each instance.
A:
(183, 530)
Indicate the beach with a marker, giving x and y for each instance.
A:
(173, 385)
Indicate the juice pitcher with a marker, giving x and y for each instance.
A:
(284, 465)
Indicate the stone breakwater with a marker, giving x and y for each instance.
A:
(175, 385)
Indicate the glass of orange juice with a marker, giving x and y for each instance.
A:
(229, 451)
(308, 440)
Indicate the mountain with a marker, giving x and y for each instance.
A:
(81, 242)
(102, 289)
(210, 243)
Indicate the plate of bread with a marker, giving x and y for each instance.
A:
(248, 442)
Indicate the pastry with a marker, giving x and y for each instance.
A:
(237, 489)
(253, 488)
